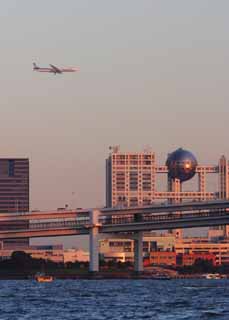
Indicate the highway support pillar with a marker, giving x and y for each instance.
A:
(138, 252)
(94, 241)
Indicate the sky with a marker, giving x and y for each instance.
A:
(153, 73)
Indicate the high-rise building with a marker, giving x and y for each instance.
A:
(130, 178)
(14, 194)
(14, 185)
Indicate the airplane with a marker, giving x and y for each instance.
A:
(53, 69)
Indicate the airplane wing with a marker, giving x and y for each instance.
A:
(55, 69)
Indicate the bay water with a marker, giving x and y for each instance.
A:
(114, 299)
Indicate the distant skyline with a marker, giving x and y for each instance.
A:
(151, 73)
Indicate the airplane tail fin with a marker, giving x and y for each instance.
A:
(35, 66)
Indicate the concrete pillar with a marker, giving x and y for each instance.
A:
(94, 241)
(138, 251)
(174, 185)
(202, 184)
(224, 185)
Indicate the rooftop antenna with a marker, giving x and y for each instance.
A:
(114, 149)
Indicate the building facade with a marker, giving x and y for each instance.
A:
(75, 255)
(14, 194)
(163, 258)
(14, 185)
(190, 259)
(54, 253)
(200, 246)
(122, 249)
(132, 178)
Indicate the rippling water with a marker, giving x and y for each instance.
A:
(115, 299)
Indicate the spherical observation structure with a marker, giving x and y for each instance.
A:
(181, 165)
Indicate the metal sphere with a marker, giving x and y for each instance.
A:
(181, 165)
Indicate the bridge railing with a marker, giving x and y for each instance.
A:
(147, 217)
(58, 224)
(127, 219)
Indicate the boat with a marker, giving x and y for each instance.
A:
(214, 276)
(43, 278)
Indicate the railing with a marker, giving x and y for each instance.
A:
(59, 224)
(149, 217)
(106, 220)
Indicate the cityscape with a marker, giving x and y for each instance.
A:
(131, 182)
(114, 163)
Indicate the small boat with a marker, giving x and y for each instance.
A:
(214, 276)
(43, 278)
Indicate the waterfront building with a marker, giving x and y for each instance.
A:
(219, 249)
(74, 255)
(167, 258)
(190, 259)
(132, 179)
(162, 258)
(14, 193)
(166, 249)
(122, 249)
(14, 185)
(54, 253)
(117, 256)
(46, 252)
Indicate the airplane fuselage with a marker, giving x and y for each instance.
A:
(53, 69)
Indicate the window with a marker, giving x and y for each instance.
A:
(147, 162)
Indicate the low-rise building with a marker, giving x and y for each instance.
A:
(190, 259)
(202, 246)
(74, 255)
(54, 253)
(167, 258)
(151, 242)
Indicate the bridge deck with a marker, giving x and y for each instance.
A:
(121, 223)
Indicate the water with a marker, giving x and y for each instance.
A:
(114, 299)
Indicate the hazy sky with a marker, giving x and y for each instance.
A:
(152, 73)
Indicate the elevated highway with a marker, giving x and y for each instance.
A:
(118, 224)
(96, 222)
